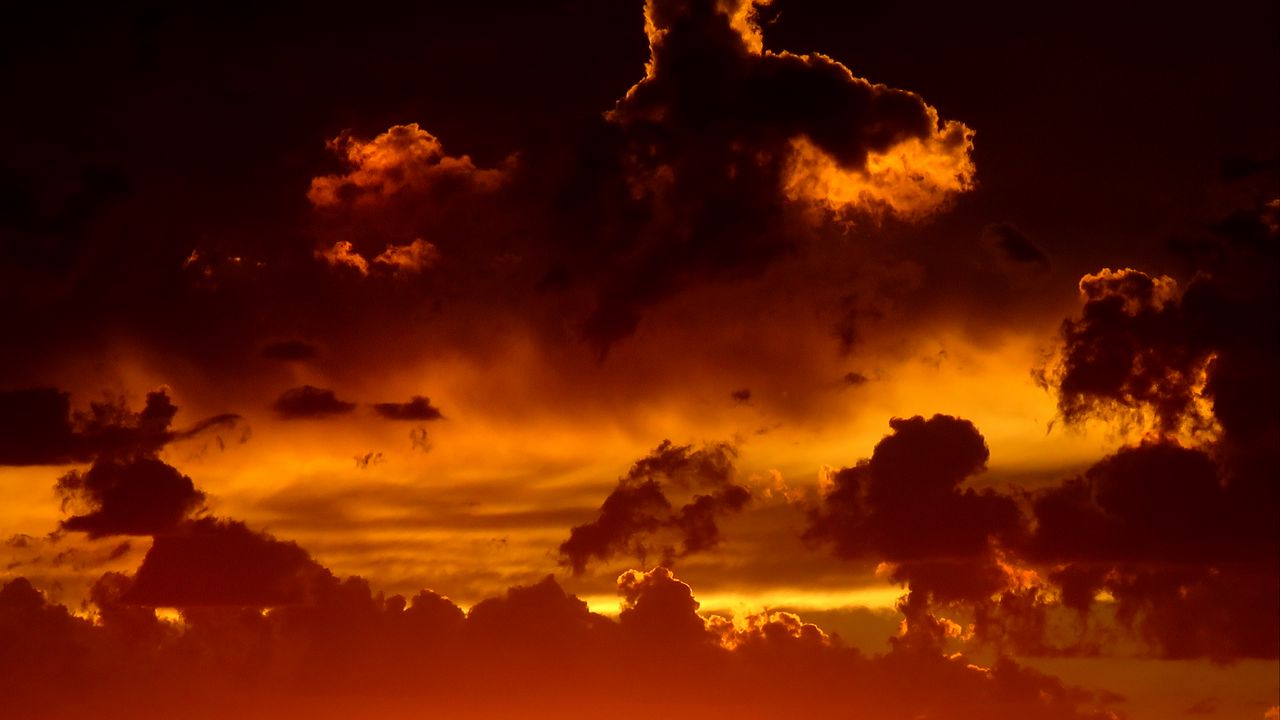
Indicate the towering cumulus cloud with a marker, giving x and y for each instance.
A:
(905, 505)
(722, 144)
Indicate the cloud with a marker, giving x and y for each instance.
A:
(38, 427)
(639, 519)
(1155, 502)
(1180, 357)
(405, 158)
(210, 562)
(560, 620)
(408, 259)
(310, 402)
(363, 462)
(343, 254)
(537, 646)
(906, 505)
(1185, 558)
(417, 408)
(1126, 351)
(1179, 529)
(658, 608)
(128, 489)
(419, 440)
(709, 165)
(838, 139)
(136, 497)
(1188, 561)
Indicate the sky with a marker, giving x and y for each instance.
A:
(698, 357)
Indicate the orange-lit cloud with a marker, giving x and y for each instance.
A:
(911, 178)
(403, 157)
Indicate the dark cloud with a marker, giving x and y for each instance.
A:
(1155, 503)
(128, 490)
(1181, 528)
(419, 440)
(290, 350)
(563, 620)
(1190, 561)
(1142, 343)
(310, 402)
(741, 397)
(708, 163)
(1177, 532)
(1187, 559)
(370, 458)
(1127, 350)
(417, 408)
(38, 427)
(906, 505)
(639, 519)
(137, 497)
(211, 562)
(659, 609)
(348, 650)
(854, 378)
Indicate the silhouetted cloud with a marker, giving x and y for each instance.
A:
(38, 427)
(310, 402)
(210, 562)
(1178, 529)
(370, 458)
(712, 158)
(136, 497)
(535, 648)
(905, 505)
(417, 408)
(639, 519)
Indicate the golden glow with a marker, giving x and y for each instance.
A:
(742, 604)
(742, 17)
(913, 178)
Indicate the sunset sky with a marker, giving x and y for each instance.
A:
(582, 359)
